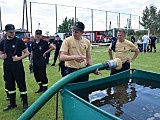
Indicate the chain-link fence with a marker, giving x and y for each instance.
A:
(48, 17)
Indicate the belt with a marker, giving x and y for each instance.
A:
(124, 62)
(75, 68)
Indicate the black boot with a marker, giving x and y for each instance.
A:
(12, 102)
(44, 88)
(40, 89)
(7, 97)
(53, 64)
(25, 102)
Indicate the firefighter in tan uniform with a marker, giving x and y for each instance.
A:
(122, 49)
(75, 51)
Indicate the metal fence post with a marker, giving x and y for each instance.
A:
(92, 25)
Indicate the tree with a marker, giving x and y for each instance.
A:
(145, 18)
(153, 19)
(66, 25)
(158, 24)
(150, 19)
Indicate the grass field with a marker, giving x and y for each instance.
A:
(148, 62)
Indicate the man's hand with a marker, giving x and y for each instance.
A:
(16, 58)
(129, 60)
(30, 64)
(79, 58)
(97, 72)
(44, 54)
(3, 56)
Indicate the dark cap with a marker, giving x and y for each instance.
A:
(68, 34)
(57, 35)
(38, 32)
(10, 28)
(78, 26)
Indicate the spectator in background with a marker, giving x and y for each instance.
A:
(140, 44)
(133, 39)
(145, 40)
(153, 43)
(57, 43)
(29, 46)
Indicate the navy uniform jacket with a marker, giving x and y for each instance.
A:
(58, 44)
(39, 49)
(11, 48)
(29, 46)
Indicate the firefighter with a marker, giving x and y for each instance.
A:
(75, 51)
(7, 94)
(29, 46)
(48, 54)
(122, 48)
(57, 43)
(11, 50)
(40, 48)
(61, 63)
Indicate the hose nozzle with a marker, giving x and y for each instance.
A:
(113, 64)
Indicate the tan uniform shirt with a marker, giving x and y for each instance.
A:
(122, 50)
(75, 47)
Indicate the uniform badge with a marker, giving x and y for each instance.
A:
(40, 48)
(13, 46)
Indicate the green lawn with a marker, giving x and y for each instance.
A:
(148, 62)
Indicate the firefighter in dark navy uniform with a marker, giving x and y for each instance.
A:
(11, 50)
(57, 43)
(40, 48)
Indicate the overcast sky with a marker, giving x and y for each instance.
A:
(12, 12)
